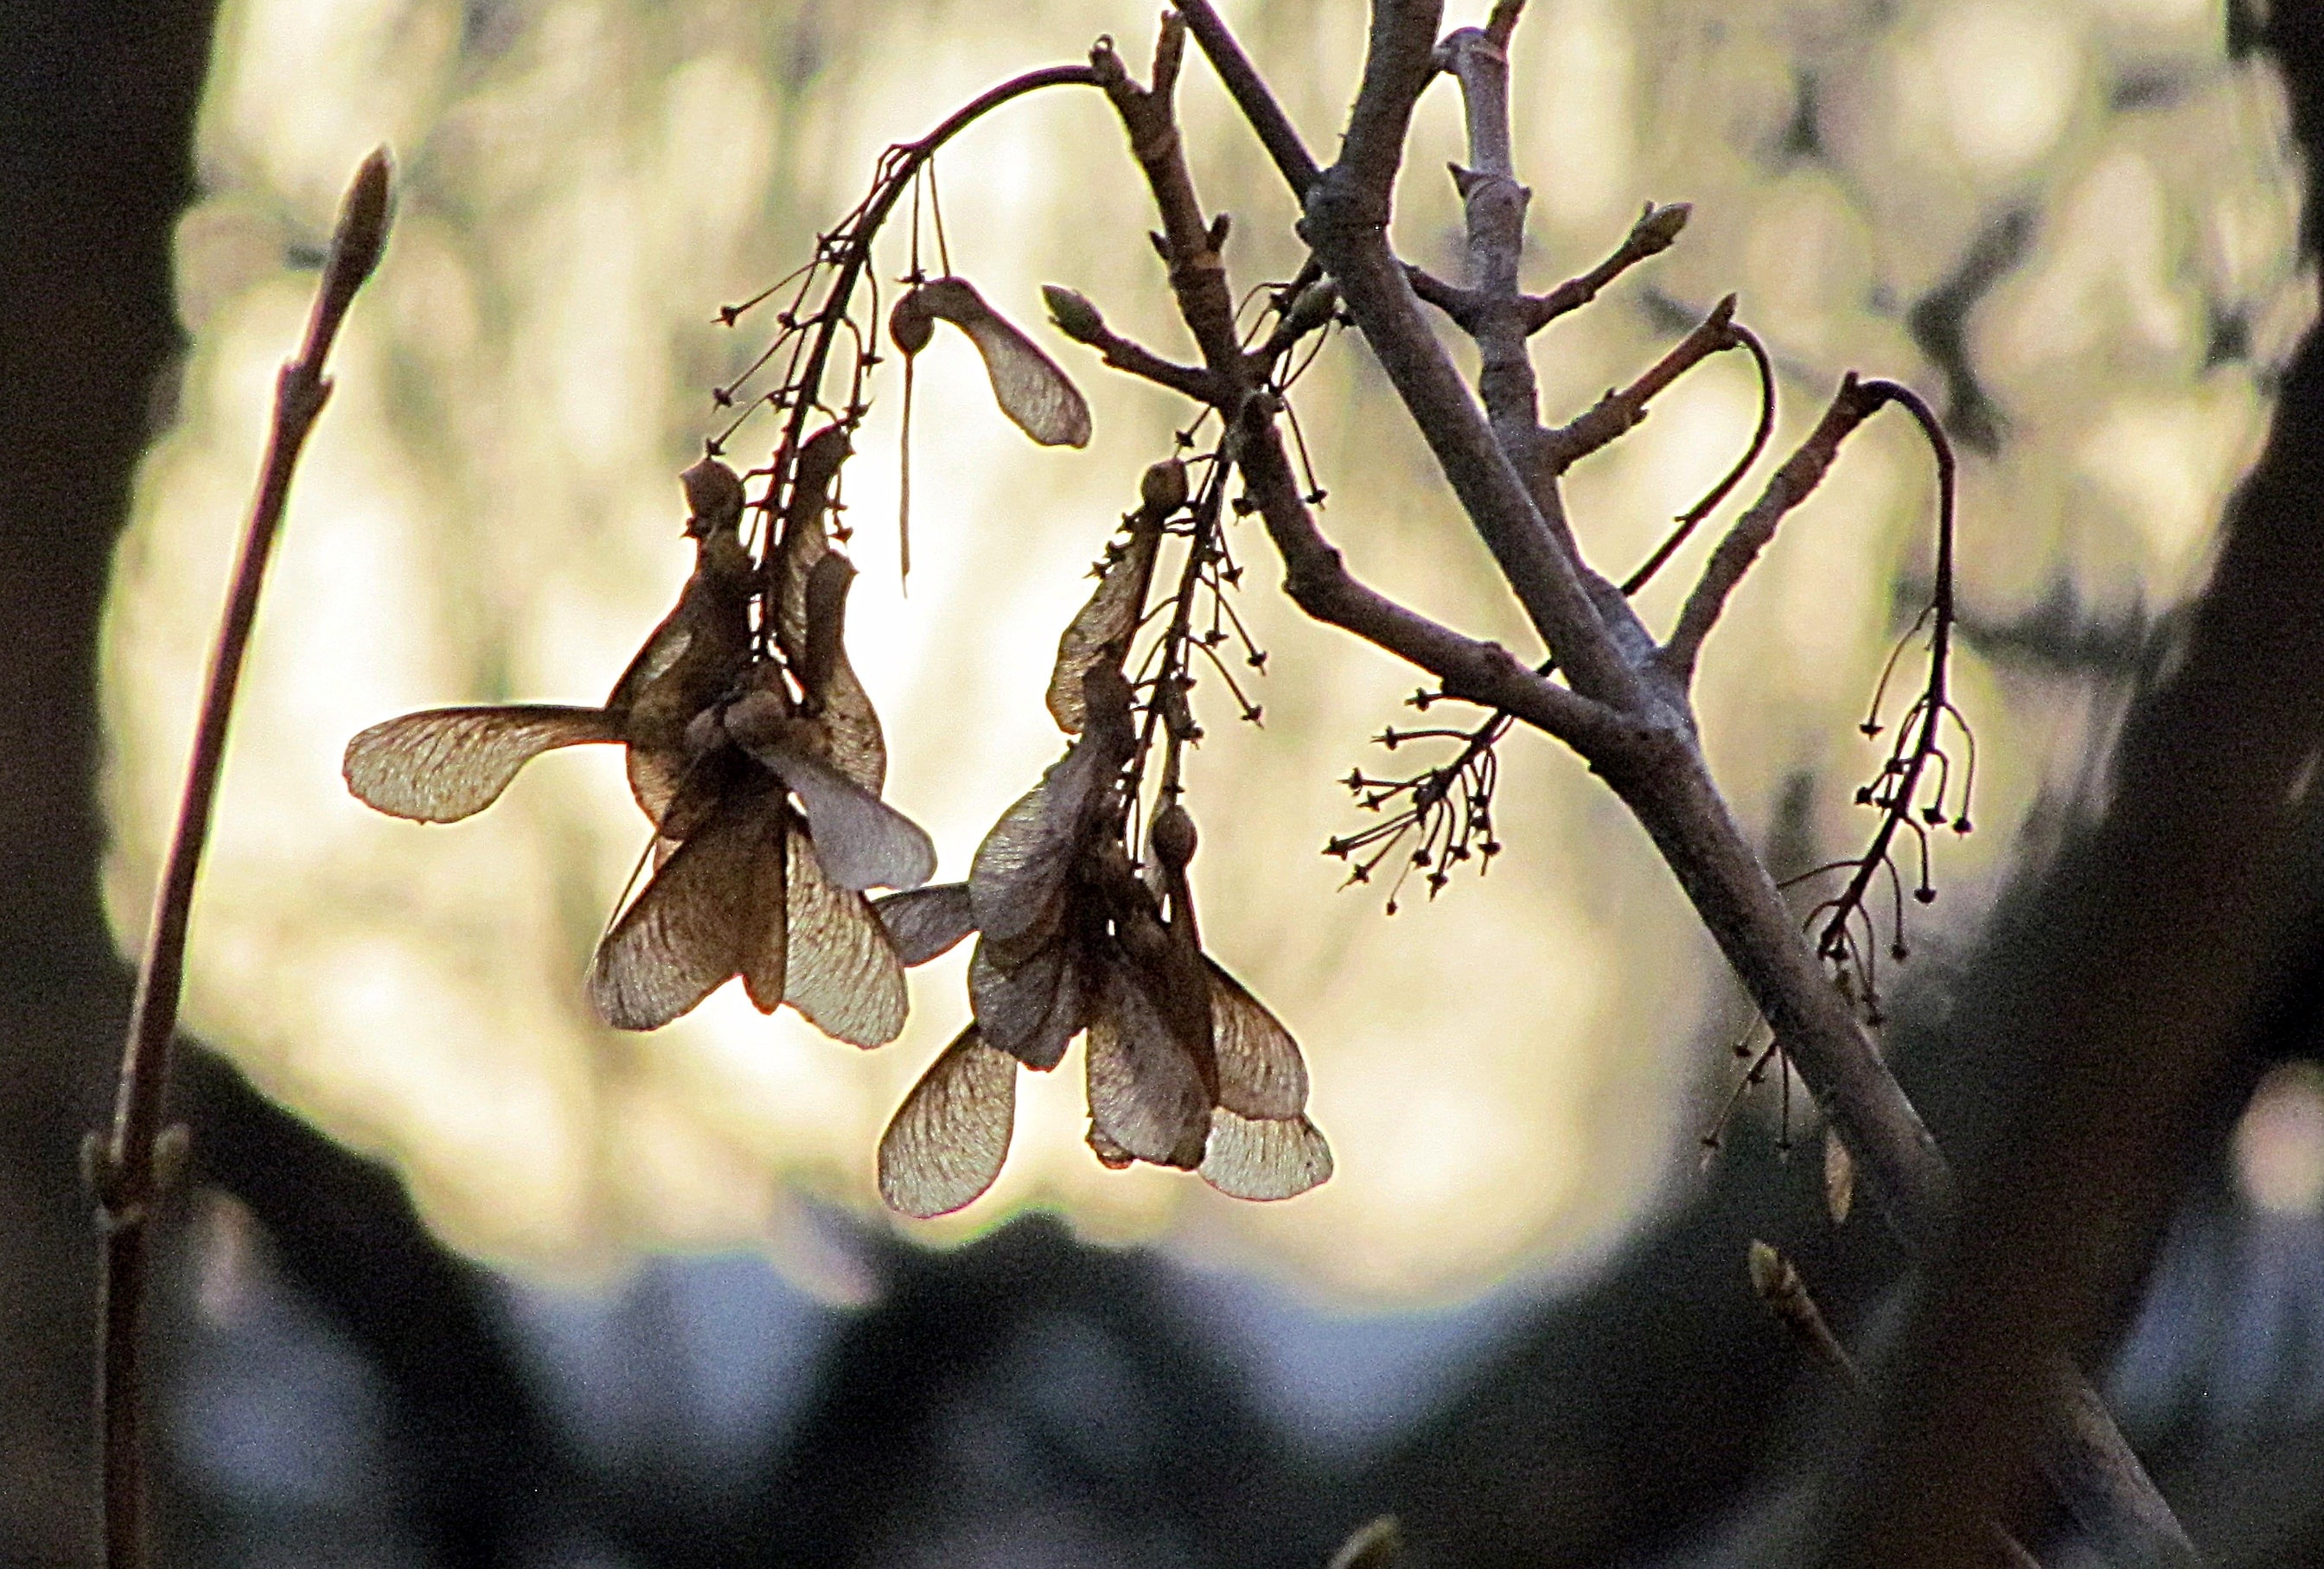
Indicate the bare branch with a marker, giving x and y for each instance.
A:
(126, 1173)
(1617, 414)
(1197, 275)
(1251, 96)
(1450, 298)
(1656, 231)
(1347, 213)
(1318, 581)
(1792, 484)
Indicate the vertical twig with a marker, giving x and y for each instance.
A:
(125, 1172)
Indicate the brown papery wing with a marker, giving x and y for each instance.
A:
(862, 841)
(1145, 1098)
(844, 974)
(925, 921)
(949, 1139)
(662, 649)
(447, 764)
(1260, 1071)
(1031, 1009)
(1101, 629)
(1264, 1157)
(686, 933)
(1017, 880)
(1027, 383)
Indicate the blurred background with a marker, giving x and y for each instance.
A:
(467, 1278)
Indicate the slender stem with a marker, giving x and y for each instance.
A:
(126, 1173)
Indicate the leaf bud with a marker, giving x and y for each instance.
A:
(1163, 488)
(1314, 306)
(1073, 315)
(1657, 228)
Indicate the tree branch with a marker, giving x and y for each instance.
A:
(127, 1177)
(1792, 484)
(1346, 222)
(1656, 231)
(1617, 414)
(1250, 94)
(1318, 581)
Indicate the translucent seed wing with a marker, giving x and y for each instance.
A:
(443, 764)
(1027, 383)
(1264, 1157)
(1145, 1099)
(925, 921)
(946, 1142)
(842, 971)
(663, 648)
(862, 841)
(684, 934)
(1261, 1071)
(1031, 1010)
(1103, 625)
(1017, 880)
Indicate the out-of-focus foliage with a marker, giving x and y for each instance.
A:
(2070, 224)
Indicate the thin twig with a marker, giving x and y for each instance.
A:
(1617, 414)
(1777, 1282)
(1790, 484)
(1250, 94)
(125, 1172)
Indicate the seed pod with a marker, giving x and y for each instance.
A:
(910, 325)
(1173, 835)
(1162, 489)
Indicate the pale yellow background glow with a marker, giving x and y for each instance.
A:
(489, 511)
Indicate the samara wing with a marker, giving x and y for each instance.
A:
(949, 1139)
(1031, 1010)
(1146, 1101)
(1264, 1157)
(686, 934)
(862, 841)
(1027, 383)
(443, 764)
(925, 922)
(842, 971)
(1260, 1071)
(1103, 627)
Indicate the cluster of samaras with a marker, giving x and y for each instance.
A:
(755, 755)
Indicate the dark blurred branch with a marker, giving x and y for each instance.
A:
(2149, 970)
(125, 1172)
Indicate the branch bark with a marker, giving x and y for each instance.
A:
(127, 1175)
(1655, 762)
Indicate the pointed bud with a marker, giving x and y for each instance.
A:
(1073, 315)
(1657, 229)
(1314, 306)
